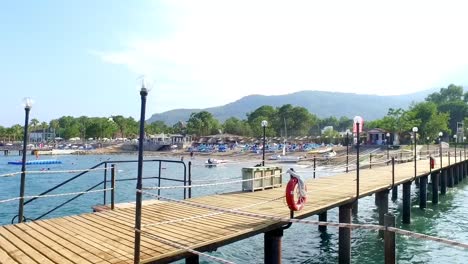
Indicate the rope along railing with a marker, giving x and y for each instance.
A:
(321, 223)
(53, 195)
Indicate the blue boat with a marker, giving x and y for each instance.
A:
(35, 162)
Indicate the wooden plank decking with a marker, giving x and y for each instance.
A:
(108, 236)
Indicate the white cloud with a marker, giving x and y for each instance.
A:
(218, 51)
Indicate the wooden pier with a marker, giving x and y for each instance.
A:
(108, 236)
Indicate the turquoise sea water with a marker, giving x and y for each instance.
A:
(301, 243)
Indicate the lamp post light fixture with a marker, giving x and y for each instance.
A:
(388, 144)
(357, 122)
(415, 131)
(440, 147)
(264, 125)
(27, 103)
(455, 142)
(143, 94)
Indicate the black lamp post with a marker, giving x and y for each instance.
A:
(427, 139)
(464, 147)
(264, 125)
(455, 142)
(143, 95)
(357, 122)
(415, 131)
(27, 102)
(347, 150)
(440, 147)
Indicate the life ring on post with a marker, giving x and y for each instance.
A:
(291, 190)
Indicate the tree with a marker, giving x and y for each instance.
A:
(237, 127)
(202, 124)
(33, 123)
(429, 121)
(451, 100)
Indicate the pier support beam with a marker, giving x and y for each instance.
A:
(322, 218)
(389, 240)
(272, 246)
(406, 203)
(395, 193)
(443, 182)
(382, 203)
(435, 187)
(344, 236)
(423, 192)
(193, 259)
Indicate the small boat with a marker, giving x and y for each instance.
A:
(35, 162)
(285, 159)
(210, 163)
(321, 150)
(329, 155)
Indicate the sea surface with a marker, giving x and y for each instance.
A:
(301, 243)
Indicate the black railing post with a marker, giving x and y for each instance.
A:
(159, 178)
(105, 183)
(113, 175)
(315, 167)
(190, 179)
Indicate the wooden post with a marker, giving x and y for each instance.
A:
(113, 175)
(382, 203)
(316, 167)
(443, 182)
(344, 234)
(272, 246)
(322, 218)
(423, 192)
(389, 240)
(192, 259)
(435, 188)
(406, 203)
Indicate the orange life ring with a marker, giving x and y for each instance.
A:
(290, 190)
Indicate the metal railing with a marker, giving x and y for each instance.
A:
(186, 180)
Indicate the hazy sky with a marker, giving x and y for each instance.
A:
(84, 57)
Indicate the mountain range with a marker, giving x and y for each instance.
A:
(321, 103)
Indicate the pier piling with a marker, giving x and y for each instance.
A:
(435, 187)
(344, 236)
(423, 192)
(272, 246)
(322, 218)
(395, 193)
(443, 182)
(382, 203)
(449, 173)
(454, 174)
(389, 240)
(406, 203)
(192, 259)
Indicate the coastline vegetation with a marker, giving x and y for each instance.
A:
(440, 112)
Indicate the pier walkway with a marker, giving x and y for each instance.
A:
(108, 236)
